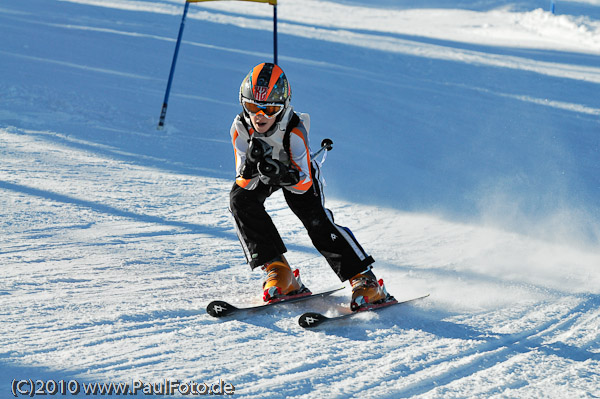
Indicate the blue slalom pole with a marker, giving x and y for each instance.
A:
(552, 6)
(163, 112)
(275, 34)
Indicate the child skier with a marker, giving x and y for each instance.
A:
(271, 149)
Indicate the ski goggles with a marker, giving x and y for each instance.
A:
(270, 110)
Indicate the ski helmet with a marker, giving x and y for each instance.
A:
(266, 83)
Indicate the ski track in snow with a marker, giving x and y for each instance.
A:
(112, 246)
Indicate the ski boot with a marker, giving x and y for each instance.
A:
(366, 290)
(280, 280)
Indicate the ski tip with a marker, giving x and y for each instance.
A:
(422, 297)
(310, 320)
(220, 309)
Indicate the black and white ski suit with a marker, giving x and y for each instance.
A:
(259, 236)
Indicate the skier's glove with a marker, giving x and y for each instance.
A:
(257, 151)
(248, 170)
(275, 173)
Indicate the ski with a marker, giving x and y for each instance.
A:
(312, 319)
(223, 309)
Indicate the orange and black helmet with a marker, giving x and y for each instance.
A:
(266, 83)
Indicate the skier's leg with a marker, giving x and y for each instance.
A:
(257, 233)
(336, 243)
(339, 246)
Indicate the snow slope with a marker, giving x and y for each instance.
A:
(466, 148)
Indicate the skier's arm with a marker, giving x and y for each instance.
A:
(244, 170)
(300, 159)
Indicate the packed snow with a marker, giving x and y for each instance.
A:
(466, 160)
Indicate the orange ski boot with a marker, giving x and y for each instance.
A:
(280, 280)
(366, 290)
